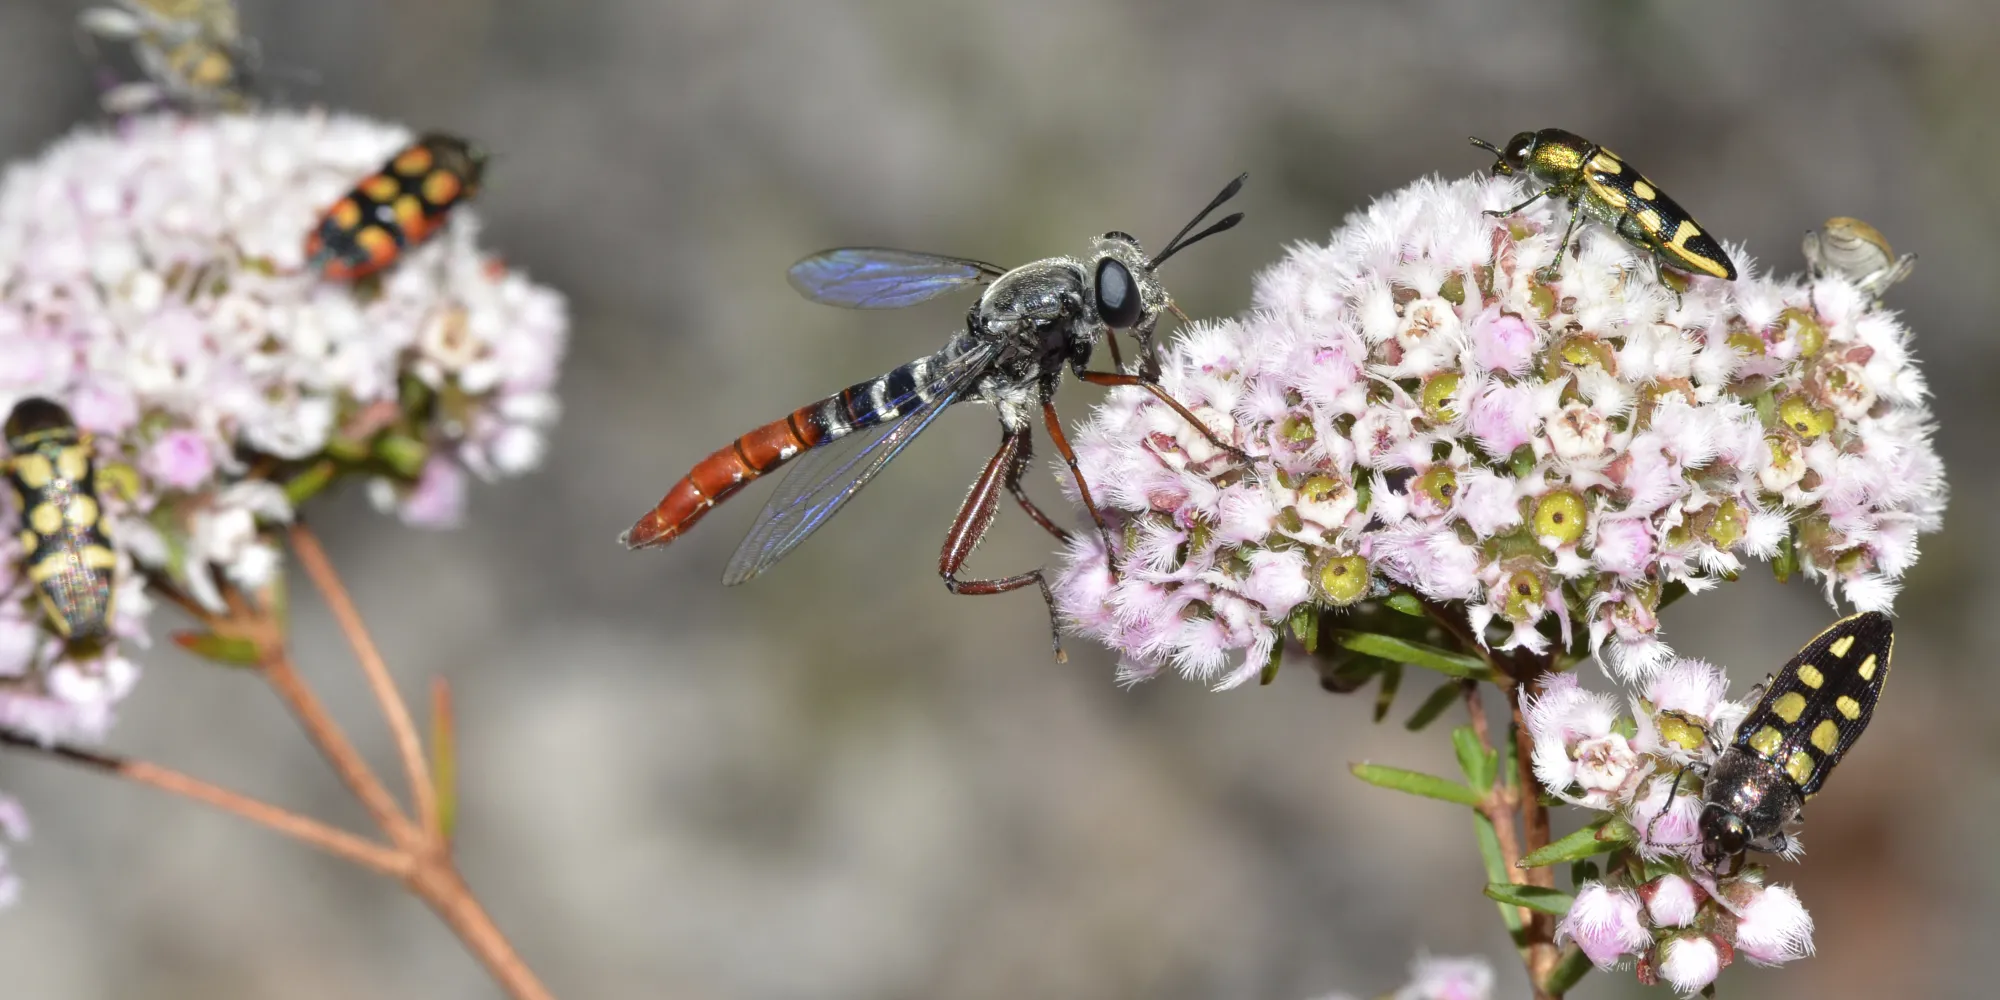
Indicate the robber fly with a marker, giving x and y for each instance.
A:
(192, 52)
(1028, 323)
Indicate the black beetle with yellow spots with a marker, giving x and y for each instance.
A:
(1810, 715)
(1599, 184)
(69, 559)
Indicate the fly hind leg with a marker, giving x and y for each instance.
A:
(969, 527)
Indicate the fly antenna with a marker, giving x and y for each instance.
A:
(1177, 244)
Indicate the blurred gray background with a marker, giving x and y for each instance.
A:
(842, 782)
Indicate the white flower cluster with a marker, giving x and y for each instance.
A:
(1683, 924)
(153, 283)
(1430, 409)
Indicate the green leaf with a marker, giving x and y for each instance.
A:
(1600, 837)
(229, 652)
(1270, 671)
(1510, 762)
(1429, 786)
(309, 483)
(1569, 971)
(1535, 897)
(1392, 678)
(1305, 625)
(1433, 706)
(404, 454)
(1522, 461)
(1496, 871)
(1407, 603)
(1786, 562)
(1670, 593)
(1476, 761)
(1416, 654)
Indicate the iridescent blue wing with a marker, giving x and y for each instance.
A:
(880, 278)
(824, 479)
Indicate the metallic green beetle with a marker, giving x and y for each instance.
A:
(1599, 184)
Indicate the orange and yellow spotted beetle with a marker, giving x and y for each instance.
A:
(397, 207)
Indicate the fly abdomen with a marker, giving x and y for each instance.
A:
(717, 477)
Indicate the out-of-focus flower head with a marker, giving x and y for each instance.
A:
(1431, 410)
(152, 282)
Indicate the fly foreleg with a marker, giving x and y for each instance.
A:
(975, 516)
(1121, 379)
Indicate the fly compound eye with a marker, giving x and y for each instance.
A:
(1117, 295)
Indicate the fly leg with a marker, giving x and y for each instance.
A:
(1120, 378)
(974, 517)
(1021, 494)
(1082, 488)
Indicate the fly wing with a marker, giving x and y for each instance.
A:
(824, 479)
(881, 278)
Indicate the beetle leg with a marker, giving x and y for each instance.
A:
(1545, 192)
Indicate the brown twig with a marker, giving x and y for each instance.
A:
(419, 854)
(368, 854)
(312, 558)
(1542, 951)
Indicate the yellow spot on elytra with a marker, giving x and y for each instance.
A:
(48, 569)
(1649, 220)
(1867, 670)
(1684, 232)
(1826, 736)
(55, 613)
(1644, 190)
(347, 214)
(1841, 645)
(1765, 741)
(45, 519)
(381, 187)
(1848, 707)
(409, 211)
(1810, 676)
(1789, 707)
(72, 464)
(414, 161)
(99, 557)
(1799, 765)
(1610, 195)
(29, 540)
(442, 187)
(34, 470)
(82, 511)
(1604, 162)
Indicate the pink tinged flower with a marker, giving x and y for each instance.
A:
(19, 635)
(1690, 962)
(180, 460)
(1503, 418)
(1502, 342)
(1578, 433)
(1438, 978)
(1624, 545)
(1695, 688)
(1277, 581)
(1487, 501)
(1671, 901)
(1772, 927)
(1606, 764)
(1605, 923)
(438, 500)
(1667, 827)
(103, 406)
